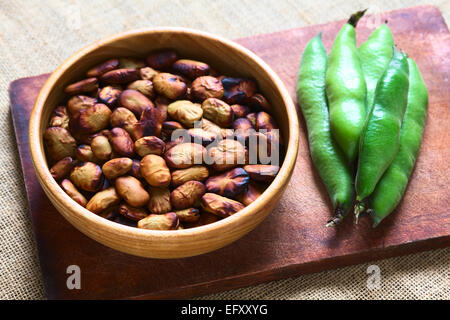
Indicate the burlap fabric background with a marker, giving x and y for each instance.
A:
(36, 36)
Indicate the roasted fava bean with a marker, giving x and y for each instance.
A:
(188, 215)
(120, 76)
(159, 200)
(185, 155)
(206, 87)
(59, 143)
(240, 111)
(149, 145)
(252, 193)
(262, 172)
(79, 103)
(220, 206)
(62, 168)
(83, 86)
(185, 112)
(265, 121)
(147, 73)
(87, 176)
(243, 128)
(169, 85)
(121, 142)
(117, 167)
(197, 173)
(143, 86)
(132, 191)
(155, 171)
(135, 101)
(149, 124)
(103, 200)
(218, 112)
(191, 68)
(252, 118)
(227, 155)
(162, 59)
(162, 104)
(166, 221)
(187, 195)
(101, 68)
(131, 212)
(123, 118)
(101, 148)
(60, 118)
(84, 154)
(72, 192)
(237, 89)
(110, 95)
(90, 120)
(228, 184)
(258, 101)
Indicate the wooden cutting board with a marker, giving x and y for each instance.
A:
(292, 240)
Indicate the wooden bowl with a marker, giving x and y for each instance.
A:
(225, 55)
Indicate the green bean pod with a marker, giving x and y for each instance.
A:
(392, 185)
(375, 54)
(381, 134)
(346, 89)
(325, 153)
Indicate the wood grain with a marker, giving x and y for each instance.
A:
(292, 240)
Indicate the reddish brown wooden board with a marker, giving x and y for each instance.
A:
(292, 240)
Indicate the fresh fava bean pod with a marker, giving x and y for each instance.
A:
(346, 89)
(381, 134)
(375, 55)
(392, 185)
(325, 153)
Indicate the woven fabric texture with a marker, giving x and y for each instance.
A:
(36, 36)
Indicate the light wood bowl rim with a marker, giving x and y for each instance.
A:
(45, 178)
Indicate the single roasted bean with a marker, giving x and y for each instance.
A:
(60, 118)
(101, 148)
(162, 59)
(346, 89)
(381, 135)
(149, 124)
(87, 176)
(83, 86)
(206, 87)
(185, 112)
(103, 200)
(240, 111)
(169, 85)
(258, 101)
(191, 68)
(101, 68)
(252, 193)
(218, 112)
(155, 171)
(90, 120)
(265, 122)
(237, 89)
(159, 200)
(135, 101)
(252, 118)
(72, 192)
(149, 145)
(143, 86)
(110, 95)
(132, 191)
(228, 184)
(187, 195)
(227, 155)
(166, 221)
(188, 215)
(262, 172)
(197, 173)
(62, 168)
(123, 118)
(162, 104)
(201, 136)
(120, 76)
(131, 63)
(117, 167)
(131, 212)
(121, 142)
(79, 103)
(59, 143)
(220, 206)
(242, 129)
(84, 154)
(147, 73)
(185, 155)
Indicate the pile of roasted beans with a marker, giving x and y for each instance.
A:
(365, 109)
(112, 149)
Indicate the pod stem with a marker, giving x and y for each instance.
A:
(359, 208)
(339, 214)
(354, 18)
